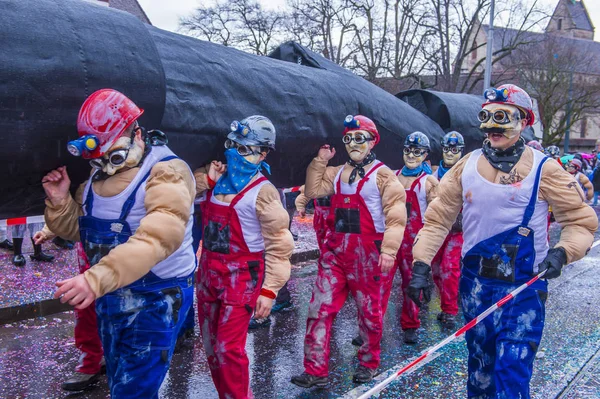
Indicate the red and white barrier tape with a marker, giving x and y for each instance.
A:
(291, 189)
(22, 220)
(427, 354)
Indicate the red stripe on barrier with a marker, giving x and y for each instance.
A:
(16, 221)
(504, 300)
(411, 364)
(464, 328)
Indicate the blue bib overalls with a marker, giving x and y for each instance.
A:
(138, 323)
(502, 347)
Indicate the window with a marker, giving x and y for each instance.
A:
(474, 51)
(559, 24)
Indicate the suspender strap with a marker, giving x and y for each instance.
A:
(362, 181)
(366, 178)
(417, 182)
(245, 190)
(534, 194)
(128, 205)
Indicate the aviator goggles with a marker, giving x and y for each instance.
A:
(500, 116)
(454, 150)
(358, 138)
(242, 149)
(417, 152)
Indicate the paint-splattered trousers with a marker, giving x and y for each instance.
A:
(138, 326)
(446, 272)
(410, 311)
(87, 339)
(502, 346)
(347, 266)
(227, 294)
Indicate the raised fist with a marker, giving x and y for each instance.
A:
(326, 152)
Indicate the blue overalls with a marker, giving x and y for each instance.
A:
(502, 347)
(138, 324)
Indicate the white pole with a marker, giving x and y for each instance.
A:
(490, 43)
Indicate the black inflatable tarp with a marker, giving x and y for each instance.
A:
(57, 52)
(452, 111)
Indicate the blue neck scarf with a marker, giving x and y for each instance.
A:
(424, 167)
(442, 170)
(239, 173)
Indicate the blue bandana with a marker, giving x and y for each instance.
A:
(442, 170)
(424, 167)
(239, 173)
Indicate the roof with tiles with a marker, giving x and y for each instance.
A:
(579, 14)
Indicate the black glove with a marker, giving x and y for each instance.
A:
(553, 263)
(420, 283)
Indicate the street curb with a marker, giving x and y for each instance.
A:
(32, 310)
(52, 306)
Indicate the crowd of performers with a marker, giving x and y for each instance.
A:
(475, 228)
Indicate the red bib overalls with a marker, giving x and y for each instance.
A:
(229, 282)
(404, 259)
(349, 263)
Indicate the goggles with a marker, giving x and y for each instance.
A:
(417, 152)
(500, 116)
(242, 149)
(358, 138)
(454, 149)
(115, 158)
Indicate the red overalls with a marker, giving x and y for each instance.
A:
(229, 282)
(446, 271)
(404, 259)
(320, 220)
(87, 338)
(349, 263)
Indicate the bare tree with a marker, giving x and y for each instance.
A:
(456, 24)
(370, 32)
(243, 24)
(547, 69)
(326, 26)
(408, 39)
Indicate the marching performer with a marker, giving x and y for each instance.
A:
(574, 167)
(421, 189)
(446, 270)
(367, 221)
(504, 190)
(246, 250)
(134, 219)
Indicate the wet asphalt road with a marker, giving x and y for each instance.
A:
(36, 355)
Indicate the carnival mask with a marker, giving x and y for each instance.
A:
(414, 157)
(125, 153)
(502, 124)
(451, 155)
(358, 144)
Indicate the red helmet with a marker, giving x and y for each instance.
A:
(512, 95)
(105, 115)
(359, 122)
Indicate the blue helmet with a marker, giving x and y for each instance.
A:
(553, 151)
(453, 139)
(417, 140)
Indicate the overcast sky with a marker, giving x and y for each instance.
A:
(165, 14)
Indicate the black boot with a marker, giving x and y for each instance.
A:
(306, 380)
(6, 244)
(18, 258)
(40, 255)
(363, 374)
(410, 336)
